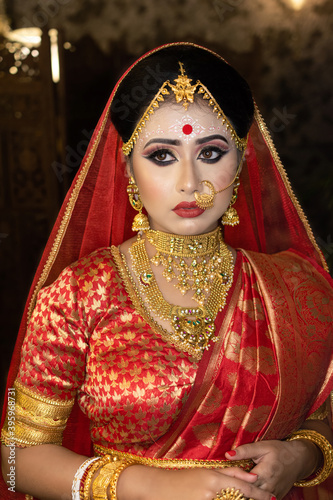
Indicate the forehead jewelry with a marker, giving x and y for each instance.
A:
(184, 93)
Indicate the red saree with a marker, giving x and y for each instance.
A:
(272, 365)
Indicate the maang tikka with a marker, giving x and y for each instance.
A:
(184, 93)
(140, 222)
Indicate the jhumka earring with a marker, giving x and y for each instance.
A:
(230, 216)
(140, 222)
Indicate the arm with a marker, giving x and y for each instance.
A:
(44, 471)
(47, 472)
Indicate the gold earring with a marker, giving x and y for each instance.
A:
(140, 222)
(230, 216)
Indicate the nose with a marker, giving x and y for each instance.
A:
(187, 181)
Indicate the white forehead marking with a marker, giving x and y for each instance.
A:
(177, 128)
(156, 133)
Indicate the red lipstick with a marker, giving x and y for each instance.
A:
(188, 209)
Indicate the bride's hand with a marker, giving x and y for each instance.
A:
(140, 482)
(279, 464)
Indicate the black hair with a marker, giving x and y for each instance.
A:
(141, 84)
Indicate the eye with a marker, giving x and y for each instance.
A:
(161, 157)
(211, 154)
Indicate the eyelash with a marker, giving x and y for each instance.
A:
(213, 149)
(154, 154)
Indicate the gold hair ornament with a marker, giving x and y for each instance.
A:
(327, 450)
(184, 93)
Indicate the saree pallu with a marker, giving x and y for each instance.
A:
(276, 358)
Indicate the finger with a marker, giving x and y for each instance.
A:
(239, 473)
(253, 450)
(250, 490)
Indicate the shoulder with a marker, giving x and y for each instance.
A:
(86, 274)
(98, 262)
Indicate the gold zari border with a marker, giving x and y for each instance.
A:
(36, 419)
(173, 463)
(321, 413)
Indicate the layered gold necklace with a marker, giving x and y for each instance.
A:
(202, 263)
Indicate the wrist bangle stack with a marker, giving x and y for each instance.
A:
(104, 485)
(327, 450)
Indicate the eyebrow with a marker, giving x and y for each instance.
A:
(211, 138)
(172, 142)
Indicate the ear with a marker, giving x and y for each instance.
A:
(128, 169)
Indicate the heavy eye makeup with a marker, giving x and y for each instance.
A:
(212, 153)
(160, 156)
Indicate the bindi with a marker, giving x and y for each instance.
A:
(187, 129)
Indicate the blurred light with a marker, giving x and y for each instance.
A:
(297, 4)
(29, 37)
(13, 70)
(55, 66)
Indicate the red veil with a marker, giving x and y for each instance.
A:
(96, 213)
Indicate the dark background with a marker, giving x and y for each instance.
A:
(285, 54)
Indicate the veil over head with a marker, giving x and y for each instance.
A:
(96, 213)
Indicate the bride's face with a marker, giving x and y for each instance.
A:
(175, 151)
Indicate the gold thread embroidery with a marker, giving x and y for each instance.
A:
(321, 413)
(173, 463)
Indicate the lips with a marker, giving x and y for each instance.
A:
(188, 209)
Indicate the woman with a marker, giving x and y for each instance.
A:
(203, 371)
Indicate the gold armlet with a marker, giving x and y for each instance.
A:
(33, 419)
(327, 450)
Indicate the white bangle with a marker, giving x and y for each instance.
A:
(78, 476)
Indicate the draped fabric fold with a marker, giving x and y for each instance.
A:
(279, 298)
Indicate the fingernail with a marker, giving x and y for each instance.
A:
(253, 474)
(273, 497)
(232, 453)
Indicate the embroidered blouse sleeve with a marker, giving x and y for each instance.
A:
(52, 365)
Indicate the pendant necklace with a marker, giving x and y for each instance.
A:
(207, 270)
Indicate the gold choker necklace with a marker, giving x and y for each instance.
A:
(185, 246)
(192, 261)
(192, 327)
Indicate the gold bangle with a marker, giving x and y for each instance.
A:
(102, 482)
(87, 482)
(115, 477)
(327, 450)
